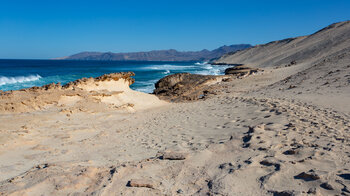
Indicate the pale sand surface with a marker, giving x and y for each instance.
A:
(243, 141)
(282, 131)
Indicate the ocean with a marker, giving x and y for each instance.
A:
(19, 74)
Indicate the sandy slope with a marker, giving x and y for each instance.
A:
(283, 131)
(309, 49)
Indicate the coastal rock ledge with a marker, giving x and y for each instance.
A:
(103, 93)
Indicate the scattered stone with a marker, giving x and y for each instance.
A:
(174, 155)
(141, 183)
(312, 191)
(179, 191)
(247, 137)
(291, 63)
(307, 177)
(262, 149)
(266, 163)
(291, 86)
(227, 79)
(290, 152)
(225, 165)
(42, 166)
(247, 162)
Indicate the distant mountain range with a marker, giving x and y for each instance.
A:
(158, 55)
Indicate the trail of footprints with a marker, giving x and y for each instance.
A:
(309, 142)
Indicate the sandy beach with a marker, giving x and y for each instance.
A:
(283, 130)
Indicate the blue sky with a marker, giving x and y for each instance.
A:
(49, 29)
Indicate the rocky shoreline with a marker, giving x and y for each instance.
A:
(86, 94)
(263, 129)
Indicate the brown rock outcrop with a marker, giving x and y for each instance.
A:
(240, 70)
(185, 86)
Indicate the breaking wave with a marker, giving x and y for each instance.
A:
(208, 69)
(147, 74)
(166, 72)
(18, 79)
(201, 63)
(168, 67)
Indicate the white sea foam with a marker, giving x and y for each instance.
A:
(201, 63)
(145, 89)
(145, 86)
(18, 79)
(208, 69)
(166, 72)
(168, 67)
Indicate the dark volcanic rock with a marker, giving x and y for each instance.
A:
(185, 86)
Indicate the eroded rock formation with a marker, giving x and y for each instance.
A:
(186, 86)
(109, 91)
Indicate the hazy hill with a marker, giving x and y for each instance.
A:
(159, 55)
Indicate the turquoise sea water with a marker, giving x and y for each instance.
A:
(18, 74)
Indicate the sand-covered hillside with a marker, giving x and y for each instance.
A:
(304, 49)
(316, 68)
